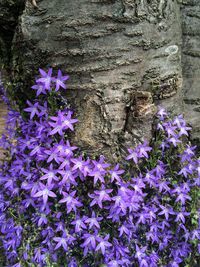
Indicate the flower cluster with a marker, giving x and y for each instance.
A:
(59, 207)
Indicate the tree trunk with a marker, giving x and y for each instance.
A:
(191, 65)
(124, 59)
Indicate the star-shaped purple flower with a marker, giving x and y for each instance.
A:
(45, 193)
(33, 109)
(46, 78)
(103, 244)
(59, 80)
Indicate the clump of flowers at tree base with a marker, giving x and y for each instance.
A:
(59, 207)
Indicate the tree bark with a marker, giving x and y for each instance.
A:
(123, 56)
(191, 64)
(9, 12)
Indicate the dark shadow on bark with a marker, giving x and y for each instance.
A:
(9, 14)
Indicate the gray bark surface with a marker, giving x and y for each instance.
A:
(191, 64)
(125, 57)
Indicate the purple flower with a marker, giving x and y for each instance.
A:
(181, 216)
(66, 150)
(154, 258)
(40, 88)
(100, 196)
(143, 149)
(89, 240)
(98, 175)
(162, 114)
(182, 197)
(133, 154)
(36, 151)
(93, 221)
(183, 130)
(140, 253)
(50, 175)
(152, 213)
(124, 190)
(68, 121)
(195, 234)
(170, 129)
(123, 230)
(166, 211)
(188, 153)
(100, 165)
(139, 152)
(103, 244)
(187, 170)
(115, 263)
(39, 255)
(120, 203)
(72, 203)
(159, 169)
(65, 163)
(179, 121)
(143, 217)
(79, 224)
(163, 186)
(52, 155)
(138, 185)
(42, 220)
(68, 176)
(144, 263)
(72, 263)
(60, 80)
(115, 173)
(61, 242)
(33, 109)
(174, 140)
(17, 265)
(45, 193)
(46, 78)
(62, 122)
(79, 163)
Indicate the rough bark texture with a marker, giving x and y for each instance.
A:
(191, 64)
(123, 56)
